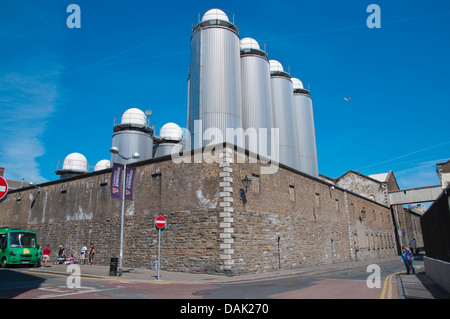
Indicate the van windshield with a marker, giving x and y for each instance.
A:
(25, 240)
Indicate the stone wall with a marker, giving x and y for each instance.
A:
(209, 229)
(316, 222)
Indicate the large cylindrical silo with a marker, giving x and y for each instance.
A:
(256, 98)
(304, 124)
(282, 112)
(215, 80)
(188, 117)
(132, 135)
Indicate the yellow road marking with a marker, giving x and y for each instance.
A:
(388, 285)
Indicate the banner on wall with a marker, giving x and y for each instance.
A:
(116, 181)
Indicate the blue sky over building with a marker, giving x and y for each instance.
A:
(61, 88)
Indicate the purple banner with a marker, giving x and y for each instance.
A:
(116, 181)
(129, 182)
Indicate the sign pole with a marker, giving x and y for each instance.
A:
(122, 218)
(160, 224)
(159, 251)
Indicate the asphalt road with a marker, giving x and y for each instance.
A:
(350, 282)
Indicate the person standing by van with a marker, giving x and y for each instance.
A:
(46, 255)
(39, 261)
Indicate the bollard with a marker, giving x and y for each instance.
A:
(113, 266)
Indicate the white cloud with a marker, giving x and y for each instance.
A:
(26, 104)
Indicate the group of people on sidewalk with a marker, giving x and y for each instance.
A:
(85, 254)
(408, 260)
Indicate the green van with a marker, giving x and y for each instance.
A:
(18, 247)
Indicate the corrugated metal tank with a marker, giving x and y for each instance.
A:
(132, 135)
(256, 97)
(282, 112)
(215, 79)
(188, 119)
(304, 124)
(168, 148)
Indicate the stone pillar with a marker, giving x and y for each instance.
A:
(226, 210)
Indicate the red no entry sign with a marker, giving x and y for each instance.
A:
(160, 222)
(3, 187)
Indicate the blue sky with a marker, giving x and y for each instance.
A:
(61, 88)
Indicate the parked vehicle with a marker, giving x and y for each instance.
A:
(18, 247)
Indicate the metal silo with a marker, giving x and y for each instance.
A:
(282, 112)
(304, 124)
(256, 97)
(171, 136)
(131, 135)
(215, 79)
(188, 119)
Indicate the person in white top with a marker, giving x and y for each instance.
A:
(83, 254)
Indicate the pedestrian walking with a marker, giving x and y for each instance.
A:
(91, 254)
(410, 259)
(403, 258)
(46, 256)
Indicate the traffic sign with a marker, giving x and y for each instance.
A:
(160, 222)
(3, 187)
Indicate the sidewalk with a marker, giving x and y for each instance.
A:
(419, 286)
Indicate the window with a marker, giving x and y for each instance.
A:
(292, 193)
(317, 200)
(336, 204)
(24, 240)
(255, 183)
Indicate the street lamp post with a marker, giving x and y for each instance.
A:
(115, 150)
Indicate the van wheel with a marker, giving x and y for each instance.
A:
(3, 264)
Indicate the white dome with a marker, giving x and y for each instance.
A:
(134, 116)
(249, 43)
(171, 131)
(296, 83)
(103, 164)
(75, 162)
(275, 66)
(215, 14)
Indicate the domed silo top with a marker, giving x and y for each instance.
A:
(214, 18)
(298, 86)
(103, 164)
(296, 83)
(249, 43)
(134, 116)
(250, 46)
(171, 131)
(215, 14)
(75, 162)
(276, 68)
